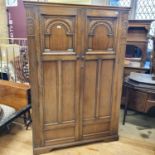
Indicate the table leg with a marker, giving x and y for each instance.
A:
(126, 105)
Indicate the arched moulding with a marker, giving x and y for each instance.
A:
(58, 36)
(100, 36)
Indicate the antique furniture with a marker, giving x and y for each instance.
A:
(15, 102)
(128, 70)
(153, 58)
(14, 87)
(76, 64)
(136, 49)
(140, 93)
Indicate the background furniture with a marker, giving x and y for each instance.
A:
(140, 96)
(136, 49)
(128, 70)
(137, 43)
(153, 58)
(14, 86)
(76, 59)
(17, 97)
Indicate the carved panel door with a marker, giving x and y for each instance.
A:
(98, 73)
(60, 67)
(76, 60)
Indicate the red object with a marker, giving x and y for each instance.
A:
(17, 21)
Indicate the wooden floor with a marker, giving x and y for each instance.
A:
(140, 125)
(18, 142)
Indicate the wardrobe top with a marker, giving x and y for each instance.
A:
(76, 5)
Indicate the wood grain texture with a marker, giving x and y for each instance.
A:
(14, 94)
(9, 144)
(79, 66)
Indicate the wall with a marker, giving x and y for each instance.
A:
(17, 20)
(3, 19)
(3, 14)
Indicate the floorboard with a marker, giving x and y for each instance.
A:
(19, 142)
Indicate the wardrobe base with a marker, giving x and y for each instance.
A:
(46, 149)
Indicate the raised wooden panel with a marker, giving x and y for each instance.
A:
(97, 43)
(59, 33)
(50, 92)
(102, 13)
(58, 11)
(59, 133)
(100, 34)
(68, 89)
(107, 69)
(98, 80)
(89, 89)
(98, 77)
(95, 128)
(59, 91)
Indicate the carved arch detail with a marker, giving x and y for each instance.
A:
(98, 23)
(67, 37)
(94, 44)
(60, 22)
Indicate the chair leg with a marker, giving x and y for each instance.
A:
(27, 119)
(24, 117)
(8, 127)
(126, 106)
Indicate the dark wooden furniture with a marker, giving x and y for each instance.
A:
(140, 96)
(137, 40)
(15, 95)
(128, 70)
(153, 58)
(76, 59)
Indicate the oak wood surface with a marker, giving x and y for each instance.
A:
(76, 60)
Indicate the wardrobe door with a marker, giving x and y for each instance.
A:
(98, 73)
(60, 74)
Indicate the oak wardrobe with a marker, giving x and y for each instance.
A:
(76, 63)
